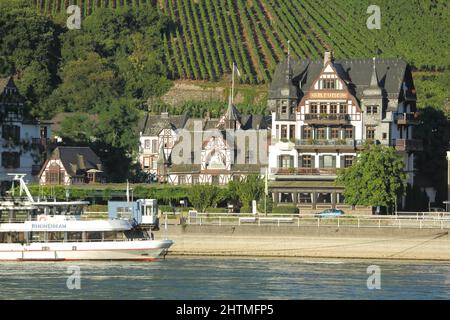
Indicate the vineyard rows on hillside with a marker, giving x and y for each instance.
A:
(209, 35)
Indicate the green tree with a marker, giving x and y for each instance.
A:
(248, 189)
(77, 128)
(431, 163)
(204, 196)
(29, 50)
(88, 85)
(376, 179)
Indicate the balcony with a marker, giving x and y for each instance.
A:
(40, 142)
(325, 118)
(408, 145)
(338, 144)
(304, 171)
(406, 118)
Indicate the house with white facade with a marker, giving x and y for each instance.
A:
(183, 150)
(72, 165)
(24, 139)
(323, 113)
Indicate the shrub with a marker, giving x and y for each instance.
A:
(285, 209)
(97, 208)
(215, 210)
(166, 208)
(246, 209)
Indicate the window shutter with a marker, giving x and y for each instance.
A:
(342, 158)
(300, 161)
(320, 161)
(333, 162)
(16, 160)
(17, 133)
(313, 161)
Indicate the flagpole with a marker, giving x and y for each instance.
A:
(232, 86)
(266, 191)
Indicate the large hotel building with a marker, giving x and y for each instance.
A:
(322, 113)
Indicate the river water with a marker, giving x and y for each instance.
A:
(224, 278)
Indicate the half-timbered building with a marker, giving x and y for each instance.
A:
(323, 112)
(219, 150)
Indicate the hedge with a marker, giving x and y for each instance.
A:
(285, 209)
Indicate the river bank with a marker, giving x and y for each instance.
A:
(309, 242)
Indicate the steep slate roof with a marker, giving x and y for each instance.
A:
(3, 83)
(77, 160)
(9, 81)
(151, 125)
(357, 72)
(232, 113)
(254, 122)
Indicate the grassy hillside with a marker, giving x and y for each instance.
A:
(208, 35)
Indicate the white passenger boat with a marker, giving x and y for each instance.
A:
(35, 230)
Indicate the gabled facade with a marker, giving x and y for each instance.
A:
(24, 139)
(339, 106)
(72, 165)
(213, 151)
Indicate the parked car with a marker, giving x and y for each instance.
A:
(330, 213)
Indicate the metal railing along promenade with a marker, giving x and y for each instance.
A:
(393, 221)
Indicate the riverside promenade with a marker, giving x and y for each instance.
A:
(314, 241)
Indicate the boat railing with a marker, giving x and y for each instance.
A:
(50, 219)
(85, 241)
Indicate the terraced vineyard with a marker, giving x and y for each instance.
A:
(211, 34)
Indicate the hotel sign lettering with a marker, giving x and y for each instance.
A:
(328, 95)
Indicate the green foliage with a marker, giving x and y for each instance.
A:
(250, 188)
(78, 128)
(164, 193)
(166, 208)
(198, 109)
(267, 206)
(376, 179)
(432, 90)
(29, 49)
(285, 209)
(246, 209)
(416, 200)
(204, 196)
(431, 162)
(208, 36)
(216, 210)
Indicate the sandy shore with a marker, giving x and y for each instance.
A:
(429, 247)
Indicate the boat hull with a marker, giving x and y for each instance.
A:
(71, 251)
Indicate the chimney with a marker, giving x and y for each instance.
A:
(327, 57)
